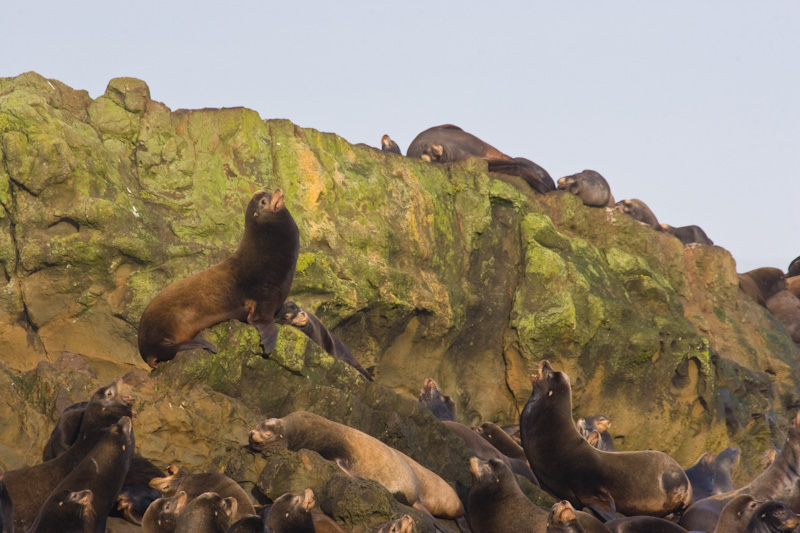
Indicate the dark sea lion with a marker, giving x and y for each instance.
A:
(250, 286)
(388, 145)
(701, 475)
(785, 306)
(208, 513)
(638, 210)
(780, 481)
(307, 322)
(724, 463)
(643, 524)
(600, 424)
(772, 517)
(65, 511)
(794, 268)
(761, 283)
(248, 524)
(404, 524)
(291, 513)
(647, 483)
(361, 455)
(736, 514)
(562, 519)
(162, 515)
(501, 440)
(66, 431)
(590, 187)
(443, 407)
(448, 143)
(196, 484)
(534, 175)
(688, 234)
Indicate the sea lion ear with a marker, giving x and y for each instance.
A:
(172, 469)
(180, 502)
(230, 505)
(438, 150)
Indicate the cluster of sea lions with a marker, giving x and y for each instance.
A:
(779, 292)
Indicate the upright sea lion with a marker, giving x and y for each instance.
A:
(701, 476)
(590, 187)
(638, 210)
(772, 517)
(688, 234)
(448, 143)
(443, 407)
(307, 322)
(780, 481)
(501, 440)
(65, 511)
(196, 484)
(643, 524)
(291, 513)
(785, 306)
(208, 513)
(562, 519)
(633, 483)
(761, 283)
(534, 175)
(361, 455)
(736, 514)
(388, 145)
(404, 524)
(162, 515)
(724, 464)
(250, 286)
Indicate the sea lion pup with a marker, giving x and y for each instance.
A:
(701, 475)
(643, 524)
(65, 511)
(772, 517)
(196, 484)
(307, 322)
(736, 514)
(448, 143)
(600, 424)
(501, 440)
(162, 515)
(250, 286)
(361, 455)
(590, 187)
(404, 524)
(761, 283)
(388, 145)
(443, 407)
(780, 481)
(291, 513)
(633, 483)
(208, 513)
(562, 519)
(638, 210)
(785, 306)
(688, 234)
(534, 175)
(724, 463)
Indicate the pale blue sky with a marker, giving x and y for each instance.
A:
(693, 107)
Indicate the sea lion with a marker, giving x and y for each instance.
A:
(688, 234)
(291, 513)
(534, 175)
(638, 210)
(208, 513)
(562, 519)
(248, 524)
(600, 424)
(162, 515)
(361, 455)
(65, 511)
(793, 285)
(778, 482)
(66, 431)
(443, 407)
(772, 517)
(590, 187)
(501, 440)
(633, 483)
(643, 524)
(794, 268)
(388, 145)
(736, 514)
(701, 476)
(196, 484)
(785, 306)
(724, 464)
(250, 286)
(448, 143)
(404, 524)
(307, 322)
(760, 284)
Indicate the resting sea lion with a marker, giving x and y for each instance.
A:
(443, 407)
(388, 145)
(501, 440)
(291, 513)
(638, 210)
(307, 322)
(404, 524)
(785, 306)
(633, 483)
(701, 476)
(250, 286)
(761, 283)
(534, 175)
(590, 187)
(65, 511)
(448, 143)
(162, 515)
(736, 514)
(772, 517)
(361, 455)
(724, 464)
(208, 513)
(643, 524)
(562, 519)
(688, 234)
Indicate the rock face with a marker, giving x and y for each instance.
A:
(422, 270)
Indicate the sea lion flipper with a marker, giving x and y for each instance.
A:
(195, 343)
(268, 332)
(601, 503)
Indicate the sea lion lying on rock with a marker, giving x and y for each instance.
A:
(760, 284)
(638, 210)
(388, 145)
(590, 187)
(448, 143)
(688, 234)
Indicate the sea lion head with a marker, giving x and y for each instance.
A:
(404, 524)
(728, 456)
(386, 141)
(168, 485)
(569, 184)
(777, 516)
(488, 472)
(112, 401)
(549, 385)
(165, 511)
(84, 499)
(442, 407)
(561, 513)
(269, 432)
(223, 508)
(264, 206)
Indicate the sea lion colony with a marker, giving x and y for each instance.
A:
(90, 470)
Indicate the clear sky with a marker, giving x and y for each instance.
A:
(690, 106)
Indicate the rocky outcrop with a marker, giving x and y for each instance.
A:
(422, 270)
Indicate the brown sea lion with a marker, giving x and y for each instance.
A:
(534, 175)
(250, 286)
(443, 407)
(208, 513)
(388, 145)
(590, 187)
(162, 515)
(724, 463)
(448, 143)
(196, 484)
(638, 210)
(701, 475)
(785, 306)
(307, 322)
(761, 283)
(736, 514)
(501, 440)
(772, 517)
(562, 519)
(361, 455)
(647, 483)
(65, 511)
(780, 481)
(291, 513)
(793, 285)
(688, 234)
(404, 524)
(643, 524)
